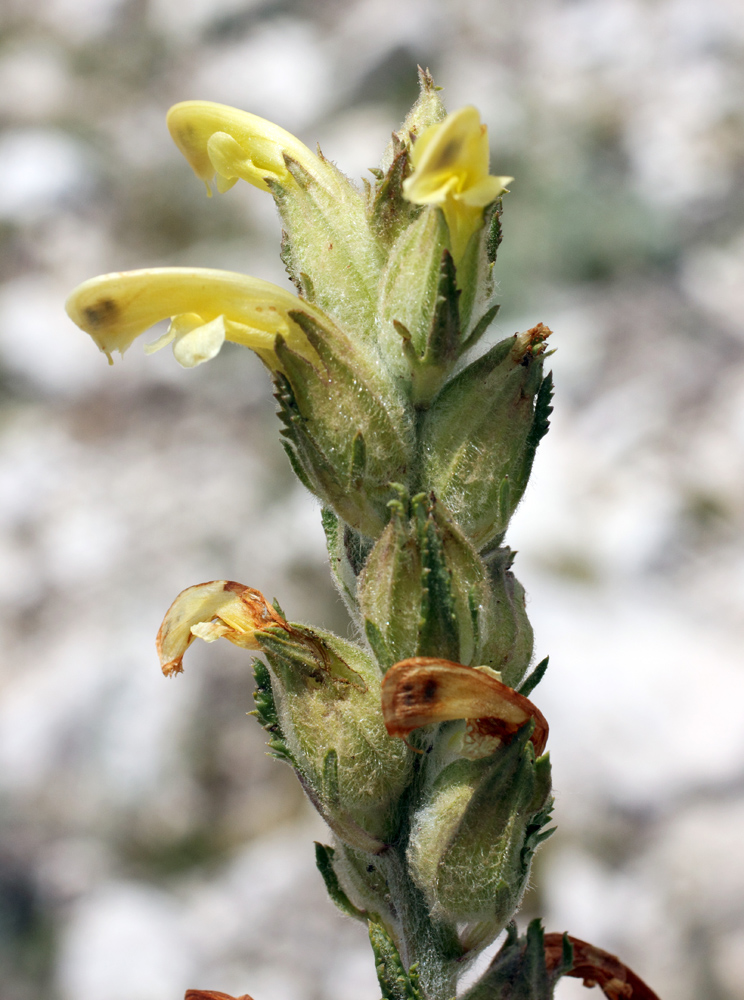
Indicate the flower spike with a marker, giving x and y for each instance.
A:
(450, 170)
(206, 307)
(233, 145)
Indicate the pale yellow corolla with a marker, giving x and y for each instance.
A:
(227, 145)
(206, 308)
(450, 162)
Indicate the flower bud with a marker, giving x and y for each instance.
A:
(480, 435)
(326, 693)
(489, 813)
(347, 432)
(391, 211)
(418, 312)
(428, 110)
(425, 591)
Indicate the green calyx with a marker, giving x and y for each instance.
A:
(347, 431)
(493, 809)
(425, 591)
(480, 435)
(326, 697)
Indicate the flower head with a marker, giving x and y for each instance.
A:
(450, 170)
(231, 145)
(206, 308)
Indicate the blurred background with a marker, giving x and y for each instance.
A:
(147, 844)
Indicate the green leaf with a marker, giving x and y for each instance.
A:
(518, 971)
(438, 628)
(377, 643)
(265, 712)
(278, 608)
(540, 427)
(442, 346)
(344, 568)
(480, 328)
(324, 861)
(391, 212)
(529, 684)
(395, 982)
(495, 234)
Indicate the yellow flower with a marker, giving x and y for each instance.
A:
(206, 308)
(233, 145)
(220, 609)
(450, 170)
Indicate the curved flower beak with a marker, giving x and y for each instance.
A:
(233, 145)
(450, 163)
(220, 609)
(424, 690)
(206, 307)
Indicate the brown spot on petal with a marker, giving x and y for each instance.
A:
(430, 691)
(102, 313)
(424, 689)
(493, 727)
(447, 155)
(598, 968)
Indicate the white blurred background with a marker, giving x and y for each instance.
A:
(147, 844)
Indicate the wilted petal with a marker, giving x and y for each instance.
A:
(213, 995)
(596, 967)
(209, 611)
(424, 690)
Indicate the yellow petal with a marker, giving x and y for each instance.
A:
(218, 609)
(116, 308)
(216, 138)
(485, 191)
(204, 342)
(232, 163)
(455, 148)
(450, 163)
